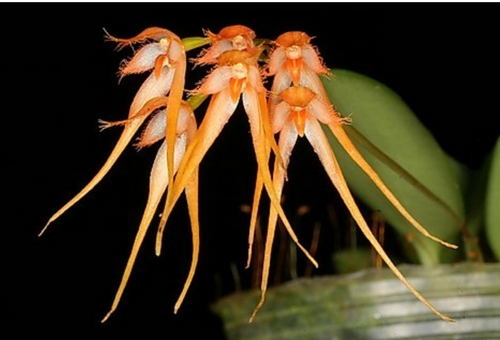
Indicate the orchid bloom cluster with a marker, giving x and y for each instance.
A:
(296, 106)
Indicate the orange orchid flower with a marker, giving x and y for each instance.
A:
(236, 37)
(159, 180)
(166, 56)
(295, 61)
(162, 53)
(298, 110)
(237, 75)
(297, 106)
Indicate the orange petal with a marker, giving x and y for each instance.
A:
(279, 116)
(151, 88)
(149, 107)
(312, 60)
(259, 185)
(281, 82)
(161, 60)
(260, 141)
(237, 37)
(192, 200)
(235, 86)
(143, 60)
(155, 128)
(267, 132)
(157, 186)
(174, 104)
(219, 111)
(288, 137)
(324, 112)
(233, 31)
(353, 152)
(210, 55)
(312, 81)
(288, 39)
(216, 81)
(318, 140)
(153, 33)
(276, 62)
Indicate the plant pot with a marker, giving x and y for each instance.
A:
(373, 304)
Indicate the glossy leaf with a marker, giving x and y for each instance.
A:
(433, 196)
(493, 202)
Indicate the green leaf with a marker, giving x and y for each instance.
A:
(493, 202)
(433, 196)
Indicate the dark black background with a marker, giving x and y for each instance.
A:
(59, 77)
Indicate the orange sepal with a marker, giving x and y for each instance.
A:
(318, 140)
